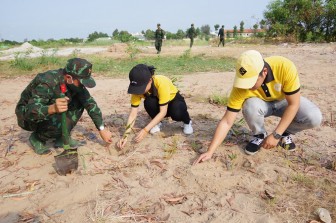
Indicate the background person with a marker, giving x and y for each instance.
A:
(162, 99)
(191, 34)
(221, 36)
(159, 36)
(40, 106)
(265, 88)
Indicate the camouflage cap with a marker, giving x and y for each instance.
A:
(192, 24)
(158, 24)
(80, 69)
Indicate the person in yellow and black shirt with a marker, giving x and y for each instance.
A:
(262, 88)
(161, 99)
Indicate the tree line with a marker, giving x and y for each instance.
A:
(292, 20)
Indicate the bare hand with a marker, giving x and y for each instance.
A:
(203, 157)
(141, 135)
(270, 142)
(106, 135)
(61, 105)
(122, 142)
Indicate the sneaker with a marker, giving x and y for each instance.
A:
(156, 128)
(73, 143)
(187, 128)
(39, 146)
(254, 145)
(286, 142)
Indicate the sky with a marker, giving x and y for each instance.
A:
(57, 19)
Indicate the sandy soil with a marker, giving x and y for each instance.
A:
(154, 181)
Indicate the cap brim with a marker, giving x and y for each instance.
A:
(245, 83)
(136, 89)
(88, 82)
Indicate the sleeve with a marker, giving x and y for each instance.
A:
(135, 100)
(37, 106)
(291, 82)
(236, 99)
(91, 107)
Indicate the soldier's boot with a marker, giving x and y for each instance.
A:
(73, 143)
(39, 146)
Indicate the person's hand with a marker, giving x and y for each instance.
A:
(141, 135)
(203, 157)
(106, 135)
(270, 142)
(61, 105)
(121, 143)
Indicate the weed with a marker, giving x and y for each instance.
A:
(132, 50)
(171, 149)
(22, 62)
(303, 179)
(218, 99)
(232, 156)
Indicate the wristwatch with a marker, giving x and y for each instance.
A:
(101, 127)
(276, 135)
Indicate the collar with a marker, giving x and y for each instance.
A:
(153, 90)
(270, 76)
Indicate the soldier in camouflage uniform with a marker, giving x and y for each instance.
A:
(40, 106)
(159, 36)
(221, 36)
(191, 34)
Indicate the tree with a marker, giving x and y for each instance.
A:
(205, 29)
(149, 34)
(300, 18)
(216, 27)
(115, 34)
(241, 29)
(124, 36)
(255, 29)
(235, 32)
(96, 35)
(180, 34)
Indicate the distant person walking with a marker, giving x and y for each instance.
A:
(221, 36)
(159, 36)
(191, 33)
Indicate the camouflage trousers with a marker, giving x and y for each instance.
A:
(50, 128)
(191, 42)
(158, 45)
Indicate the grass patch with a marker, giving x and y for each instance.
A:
(170, 65)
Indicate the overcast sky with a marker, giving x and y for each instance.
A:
(44, 19)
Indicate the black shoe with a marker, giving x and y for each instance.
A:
(254, 145)
(286, 142)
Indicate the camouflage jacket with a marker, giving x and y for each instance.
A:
(159, 34)
(43, 91)
(191, 32)
(221, 33)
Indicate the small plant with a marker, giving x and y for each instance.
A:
(132, 50)
(186, 54)
(22, 62)
(232, 156)
(75, 53)
(171, 150)
(218, 99)
(127, 131)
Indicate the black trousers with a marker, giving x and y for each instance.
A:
(177, 108)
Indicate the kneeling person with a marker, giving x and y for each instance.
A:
(162, 99)
(40, 106)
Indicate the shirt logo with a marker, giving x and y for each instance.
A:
(242, 71)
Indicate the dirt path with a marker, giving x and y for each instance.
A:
(154, 181)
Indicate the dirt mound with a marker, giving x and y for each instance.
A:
(118, 47)
(24, 48)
